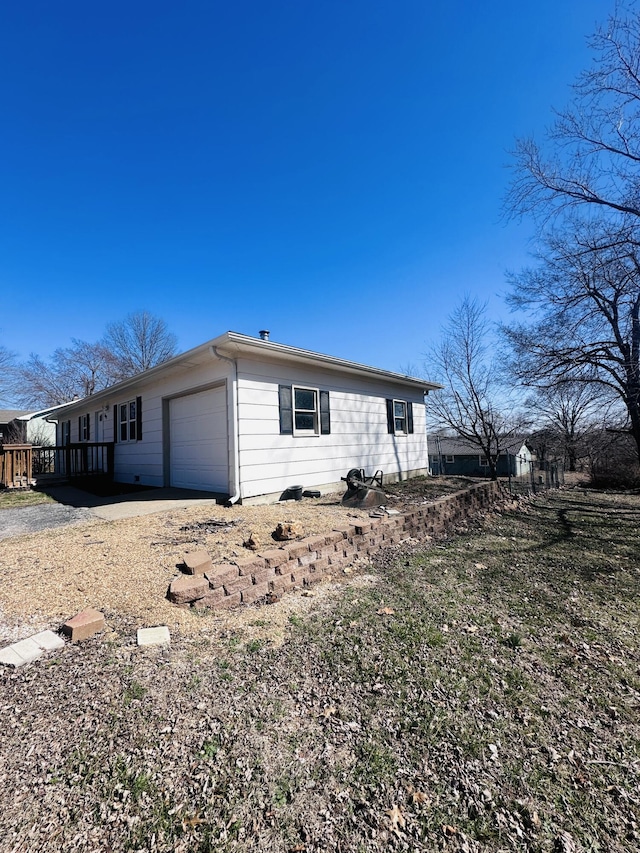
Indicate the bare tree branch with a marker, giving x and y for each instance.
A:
(594, 144)
(475, 403)
(139, 342)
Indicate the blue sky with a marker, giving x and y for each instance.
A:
(333, 171)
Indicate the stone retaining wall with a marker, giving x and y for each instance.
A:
(303, 562)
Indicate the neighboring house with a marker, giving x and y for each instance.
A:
(248, 418)
(450, 455)
(19, 426)
(7, 429)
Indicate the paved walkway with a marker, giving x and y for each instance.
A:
(74, 505)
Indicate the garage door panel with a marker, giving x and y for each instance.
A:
(198, 441)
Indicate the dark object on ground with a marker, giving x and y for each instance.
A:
(361, 492)
(311, 493)
(293, 493)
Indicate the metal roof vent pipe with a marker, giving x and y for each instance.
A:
(264, 334)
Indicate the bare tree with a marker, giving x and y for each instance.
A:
(130, 346)
(583, 300)
(566, 415)
(591, 157)
(76, 371)
(475, 402)
(139, 342)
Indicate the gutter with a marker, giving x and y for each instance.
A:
(235, 428)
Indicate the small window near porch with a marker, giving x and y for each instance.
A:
(84, 428)
(130, 420)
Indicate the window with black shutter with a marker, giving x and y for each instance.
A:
(303, 411)
(399, 417)
(128, 426)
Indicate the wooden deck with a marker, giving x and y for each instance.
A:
(72, 462)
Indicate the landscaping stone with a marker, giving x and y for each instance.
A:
(48, 640)
(307, 560)
(275, 556)
(26, 651)
(197, 562)
(221, 574)
(187, 588)
(10, 657)
(158, 636)
(84, 625)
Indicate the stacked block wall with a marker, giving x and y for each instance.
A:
(303, 562)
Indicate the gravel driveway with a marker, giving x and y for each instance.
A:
(32, 519)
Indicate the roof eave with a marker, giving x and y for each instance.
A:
(234, 343)
(238, 343)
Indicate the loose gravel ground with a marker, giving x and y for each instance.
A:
(123, 568)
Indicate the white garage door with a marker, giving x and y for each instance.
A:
(198, 441)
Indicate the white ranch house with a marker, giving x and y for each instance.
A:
(248, 418)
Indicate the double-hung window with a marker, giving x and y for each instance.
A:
(84, 428)
(129, 420)
(399, 417)
(303, 411)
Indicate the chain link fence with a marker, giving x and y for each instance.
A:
(534, 477)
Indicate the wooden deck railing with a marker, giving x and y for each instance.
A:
(15, 466)
(85, 459)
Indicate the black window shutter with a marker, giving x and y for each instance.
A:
(325, 413)
(138, 418)
(286, 409)
(88, 417)
(79, 427)
(390, 419)
(409, 417)
(116, 423)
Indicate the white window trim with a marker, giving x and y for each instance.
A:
(85, 427)
(315, 411)
(484, 462)
(405, 418)
(449, 458)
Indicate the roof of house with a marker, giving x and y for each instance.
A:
(41, 413)
(448, 445)
(8, 415)
(233, 344)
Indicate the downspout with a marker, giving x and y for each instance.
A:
(234, 415)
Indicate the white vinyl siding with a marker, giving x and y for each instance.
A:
(269, 461)
(359, 437)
